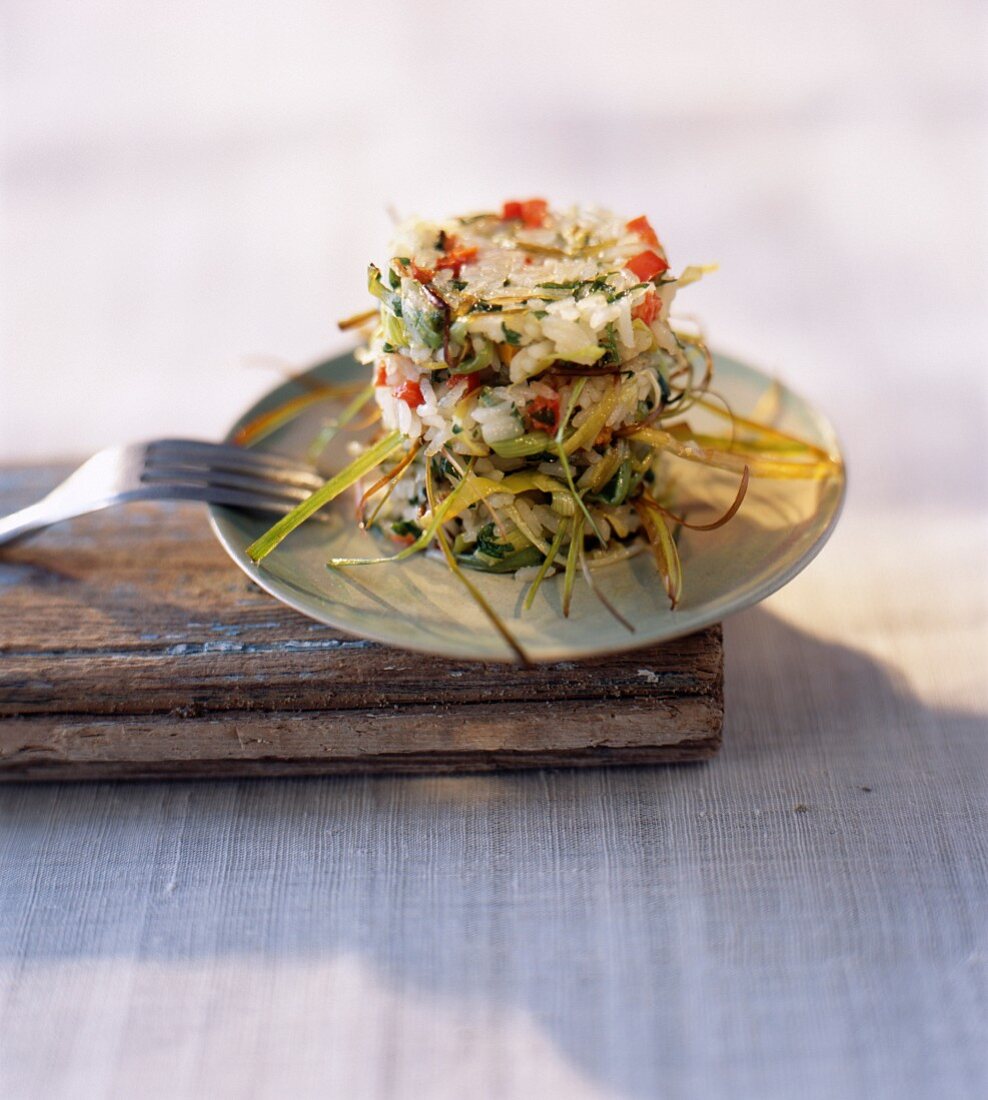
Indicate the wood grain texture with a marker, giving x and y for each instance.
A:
(130, 646)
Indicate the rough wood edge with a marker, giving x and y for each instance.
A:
(410, 764)
(145, 681)
(306, 743)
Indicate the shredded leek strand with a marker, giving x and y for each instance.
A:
(329, 430)
(468, 584)
(664, 548)
(337, 484)
(575, 544)
(550, 558)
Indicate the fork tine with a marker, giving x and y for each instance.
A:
(264, 479)
(196, 451)
(212, 494)
(259, 484)
(231, 460)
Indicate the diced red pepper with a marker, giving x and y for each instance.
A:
(473, 383)
(643, 229)
(542, 414)
(533, 213)
(648, 308)
(410, 393)
(455, 260)
(423, 274)
(646, 265)
(381, 378)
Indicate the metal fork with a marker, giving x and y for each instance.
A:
(169, 469)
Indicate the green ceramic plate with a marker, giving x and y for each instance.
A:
(418, 604)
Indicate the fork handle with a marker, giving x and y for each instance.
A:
(55, 508)
(36, 517)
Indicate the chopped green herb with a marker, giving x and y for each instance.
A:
(513, 338)
(581, 288)
(595, 286)
(540, 313)
(405, 527)
(489, 544)
(618, 294)
(442, 467)
(610, 344)
(458, 284)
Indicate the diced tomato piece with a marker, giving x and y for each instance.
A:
(410, 393)
(646, 265)
(643, 229)
(473, 383)
(423, 274)
(648, 308)
(533, 213)
(455, 260)
(542, 414)
(381, 378)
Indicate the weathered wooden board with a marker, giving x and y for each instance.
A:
(131, 646)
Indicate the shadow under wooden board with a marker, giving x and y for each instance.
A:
(130, 647)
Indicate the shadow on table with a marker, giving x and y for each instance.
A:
(630, 915)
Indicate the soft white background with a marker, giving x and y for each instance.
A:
(189, 186)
